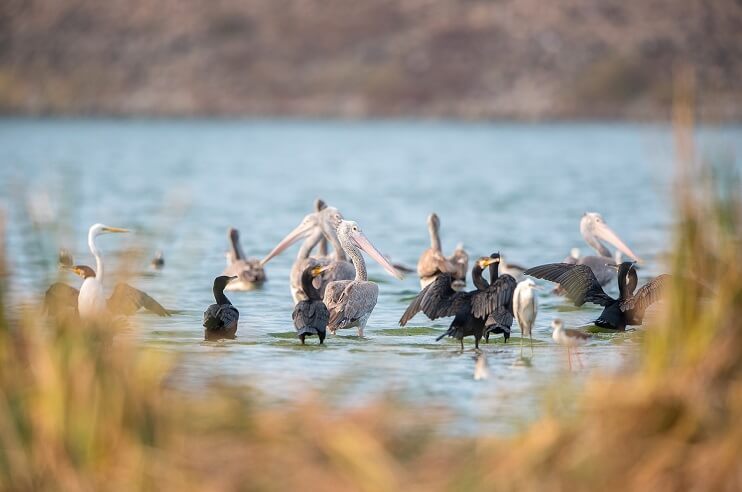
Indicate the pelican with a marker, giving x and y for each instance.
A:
(351, 302)
(319, 205)
(581, 285)
(475, 311)
(569, 338)
(432, 262)
(311, 316)
(158, 262)
(90, 299)
(220, 318)
(312, 229)
(525, 308)
(249, 271)
(594, 229)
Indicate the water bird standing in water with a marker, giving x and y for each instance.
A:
(249, 272)
(581, 286)
(503, 287)
(90, 300)
(220, 318)
(158, 262)
(432, 262)
(311, 315)
(569, 338)
(471, 310)
(351, 302)
(313, 228)
(593, 228)
(525, 308)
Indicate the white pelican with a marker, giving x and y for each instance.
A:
(311, 316)
(91, 300)
(220, 318)
(313, 228)
(525, 308)
(249, 272)
(351, 302)
(594, 229)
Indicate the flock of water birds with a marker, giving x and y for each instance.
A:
(331, 291)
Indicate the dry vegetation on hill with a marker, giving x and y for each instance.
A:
(523, 59)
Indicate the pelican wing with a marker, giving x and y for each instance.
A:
(578, 280)
(357, 300)
(60, 298)
(647, 295)
(433, 262)
(437, 300)
(499, 295)
(127, 300)
(247, 270)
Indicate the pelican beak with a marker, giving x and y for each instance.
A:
(362, 242)
(606, 233)
(299, 232)
(115, 229)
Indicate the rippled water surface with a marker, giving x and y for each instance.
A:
(517, 189)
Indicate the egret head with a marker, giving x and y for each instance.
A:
(529, 284)
(575, 253)
(100, 229)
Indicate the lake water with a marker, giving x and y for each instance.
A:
(515, 188)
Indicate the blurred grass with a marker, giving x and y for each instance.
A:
(82, 409)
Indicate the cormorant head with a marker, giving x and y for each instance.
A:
(83, 271)
(221, 282)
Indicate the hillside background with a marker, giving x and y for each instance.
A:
(522, 59)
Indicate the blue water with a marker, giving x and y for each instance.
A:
(515, 188)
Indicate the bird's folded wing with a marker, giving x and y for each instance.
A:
(498, 295)
(578, 280)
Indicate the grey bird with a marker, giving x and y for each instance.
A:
(221, 318)
(311, 315)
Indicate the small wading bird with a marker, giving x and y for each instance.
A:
(311, 316)
(568, 338)
(158, 262)
(594, 229)
(249, 272)
(90, 300)
(350, 302)
(581, 286)
(313, 228)
(475, 311)
(525, 308)
(220, 318)
(432, 262)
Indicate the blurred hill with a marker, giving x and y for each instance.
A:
(525, 59)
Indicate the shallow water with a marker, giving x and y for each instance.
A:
(515, 188)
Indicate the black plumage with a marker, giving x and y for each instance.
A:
(311, 316)
(475, 312)
(220, 318)
(581, 286)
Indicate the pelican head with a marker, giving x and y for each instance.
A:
(434, 223)
(349, 230)
(83, 271)
(307, 225)
(593, 228)
(100, 229)
(319, 204)
(233, 234)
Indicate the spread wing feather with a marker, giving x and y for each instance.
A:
(578, 280)
(498, 295)
(647, 295)
(127, 300)
(437, 300)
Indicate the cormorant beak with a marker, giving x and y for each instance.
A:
(114, 229)
(485, 262)
(612, 265)
(317, 271)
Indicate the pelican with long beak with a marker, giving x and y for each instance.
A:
(432, 262)
(248, 272)
(595, 230)
(351, 302)
(312, 229)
